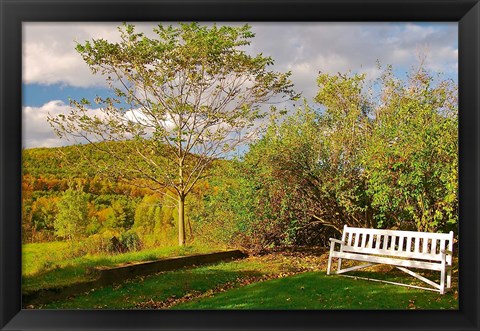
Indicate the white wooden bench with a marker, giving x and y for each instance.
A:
(402, 249)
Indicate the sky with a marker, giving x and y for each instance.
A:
(53, 72)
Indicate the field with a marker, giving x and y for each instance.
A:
(51, 265)
(315, 290)
(286, 280)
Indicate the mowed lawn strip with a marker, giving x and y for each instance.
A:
(48, 265)
(248, 284)
(149, 292)
(316, 290)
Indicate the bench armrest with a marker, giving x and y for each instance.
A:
(333, 240)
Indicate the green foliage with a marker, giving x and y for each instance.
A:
(411, 159)
(130, 240)
(226, 215)
(93, 226)
(107, 242)
(298, 202)
(72, 217)
(120, 214)
(155, 219)
(371, 156)
(43, 213)
(201, 98)
(388, 162)
(47, 174)
(147, 214)
(97, 244)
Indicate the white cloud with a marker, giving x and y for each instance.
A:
(307, 48)
(36, 130)
(304, 48)
(50, 57)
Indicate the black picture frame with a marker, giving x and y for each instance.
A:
(14, 12)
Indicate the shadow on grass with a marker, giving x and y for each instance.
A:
(155, 288)
(61, 276)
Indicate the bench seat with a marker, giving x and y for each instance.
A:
(402, 249)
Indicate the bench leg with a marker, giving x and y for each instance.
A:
(332, 246)
(339, 265)
(442, 281)
(329, 264)
(449, 278)
(442, 274)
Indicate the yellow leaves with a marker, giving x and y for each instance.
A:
(411, 304)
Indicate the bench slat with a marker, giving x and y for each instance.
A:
(355, 243)
(370, 241)
(409, 244)
(411, 255)
(442, 245)
(382, 242)
(429, 235)
(434, 246)
(393, 240)
(400, 244)
(416, 248)
(399, 248)
(388, 260)
(424, 245)
(364, 240)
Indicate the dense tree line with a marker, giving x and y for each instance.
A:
(66, 198)
(61, 189)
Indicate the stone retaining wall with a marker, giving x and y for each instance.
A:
(108, 276)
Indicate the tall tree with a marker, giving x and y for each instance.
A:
(187, 96)
(72, 217)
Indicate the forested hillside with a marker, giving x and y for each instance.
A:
(59, 181)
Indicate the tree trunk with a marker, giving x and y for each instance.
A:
(181, 220)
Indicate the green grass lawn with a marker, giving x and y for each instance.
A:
(49, 265)
(275, 281)
(316, 290)
(156, 290)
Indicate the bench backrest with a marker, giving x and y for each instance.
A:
(409, 244)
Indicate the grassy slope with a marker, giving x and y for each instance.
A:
(315, 290)
(221, 286)
(149, 292)
(48, 265)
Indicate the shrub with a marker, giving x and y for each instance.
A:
(98, 243)
(95, 244)
(130, 240)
